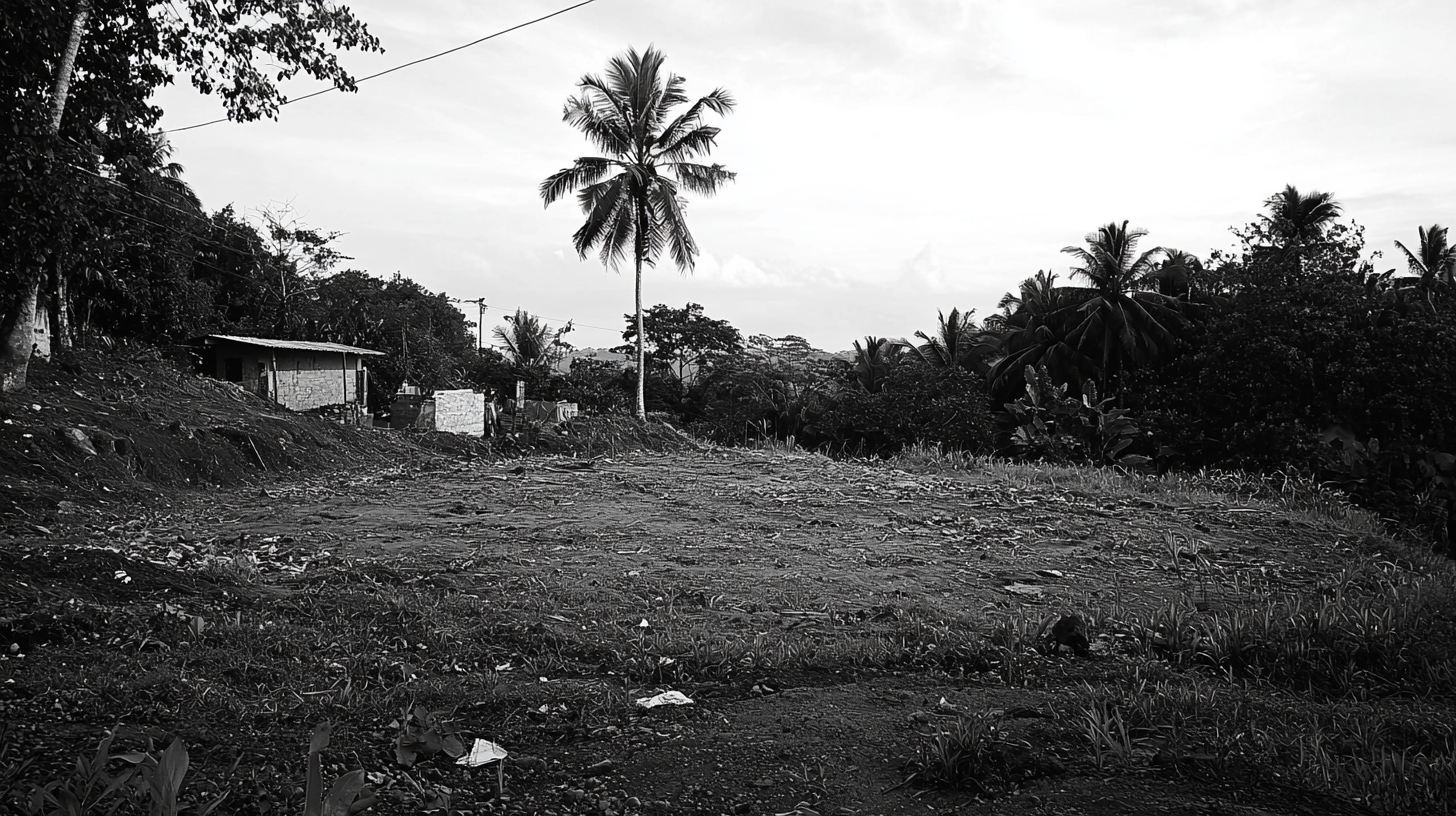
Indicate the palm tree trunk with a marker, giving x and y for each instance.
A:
(17, 329)
(641, 356)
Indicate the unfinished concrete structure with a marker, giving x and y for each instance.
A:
(296, 374)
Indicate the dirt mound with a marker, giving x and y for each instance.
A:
(105, 428)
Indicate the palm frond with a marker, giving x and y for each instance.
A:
(584, 172)
(705, 180)
(603, 204)
(719, 101)
(697, 142)
(606, 132)
(668, 206)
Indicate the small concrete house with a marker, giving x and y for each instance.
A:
(296, 374)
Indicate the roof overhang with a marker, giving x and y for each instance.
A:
(286, 345)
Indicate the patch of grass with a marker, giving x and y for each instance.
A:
(1397, 763)
(970, 753)
(1374, 629)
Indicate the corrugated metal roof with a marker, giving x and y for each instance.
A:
(291, 345)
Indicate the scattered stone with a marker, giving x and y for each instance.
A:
(77, 439)
(529, 763)
(603, 767)
(1071, 631)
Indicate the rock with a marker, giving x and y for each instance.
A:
(77, 439)
(529, 763)
(1071, 631)
(603, 767)
(1023, 764)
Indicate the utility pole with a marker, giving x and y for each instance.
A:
(479, 320)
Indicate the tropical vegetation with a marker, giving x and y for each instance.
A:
(1291, 353)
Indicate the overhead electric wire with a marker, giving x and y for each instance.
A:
(405, 65)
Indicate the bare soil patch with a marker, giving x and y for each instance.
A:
(823, 616)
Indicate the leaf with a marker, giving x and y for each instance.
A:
(320, 738)
(313, 794)
(343, 793)
(170, 772)
(405, 753)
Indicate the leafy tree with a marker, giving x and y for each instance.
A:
(1120, 322)
(915, 404)
(133, 280)
(1305, 366)
(232, 259)
(684, 341)
(424, 338)
(631, 197)
(298, 256)
(1033, 328)
(758, 394)
(790, 349)
(100, 61)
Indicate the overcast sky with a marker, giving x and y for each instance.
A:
(894, 158)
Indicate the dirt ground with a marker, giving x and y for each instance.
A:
(822, 616)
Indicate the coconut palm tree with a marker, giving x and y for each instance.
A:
(1120, 321)
(1433, 265)
(530, 344)
(1033, 326)
(872, 361)
(631, 196)
(1296, 219)
(958, 343)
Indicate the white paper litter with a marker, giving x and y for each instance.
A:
(665, 698)
(481, 753)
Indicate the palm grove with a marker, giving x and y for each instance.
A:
(1291, 353)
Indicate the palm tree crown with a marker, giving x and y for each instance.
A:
(632, 195)
(957, 343)
(1117, 322)
(1297, 219)
(1121, 322)
(1434, 262)
(872, 361)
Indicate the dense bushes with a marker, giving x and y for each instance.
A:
(916, 404)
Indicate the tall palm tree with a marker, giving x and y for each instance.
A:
(1119, 320)
(631, 196)
(1433, 265)
(1296, 219)
(958, 343)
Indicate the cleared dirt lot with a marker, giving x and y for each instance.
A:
(825, 618)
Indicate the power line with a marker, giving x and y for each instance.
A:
(572, 321)
(405, 65)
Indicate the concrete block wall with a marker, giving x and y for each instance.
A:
(301, 389)
(461, 411)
